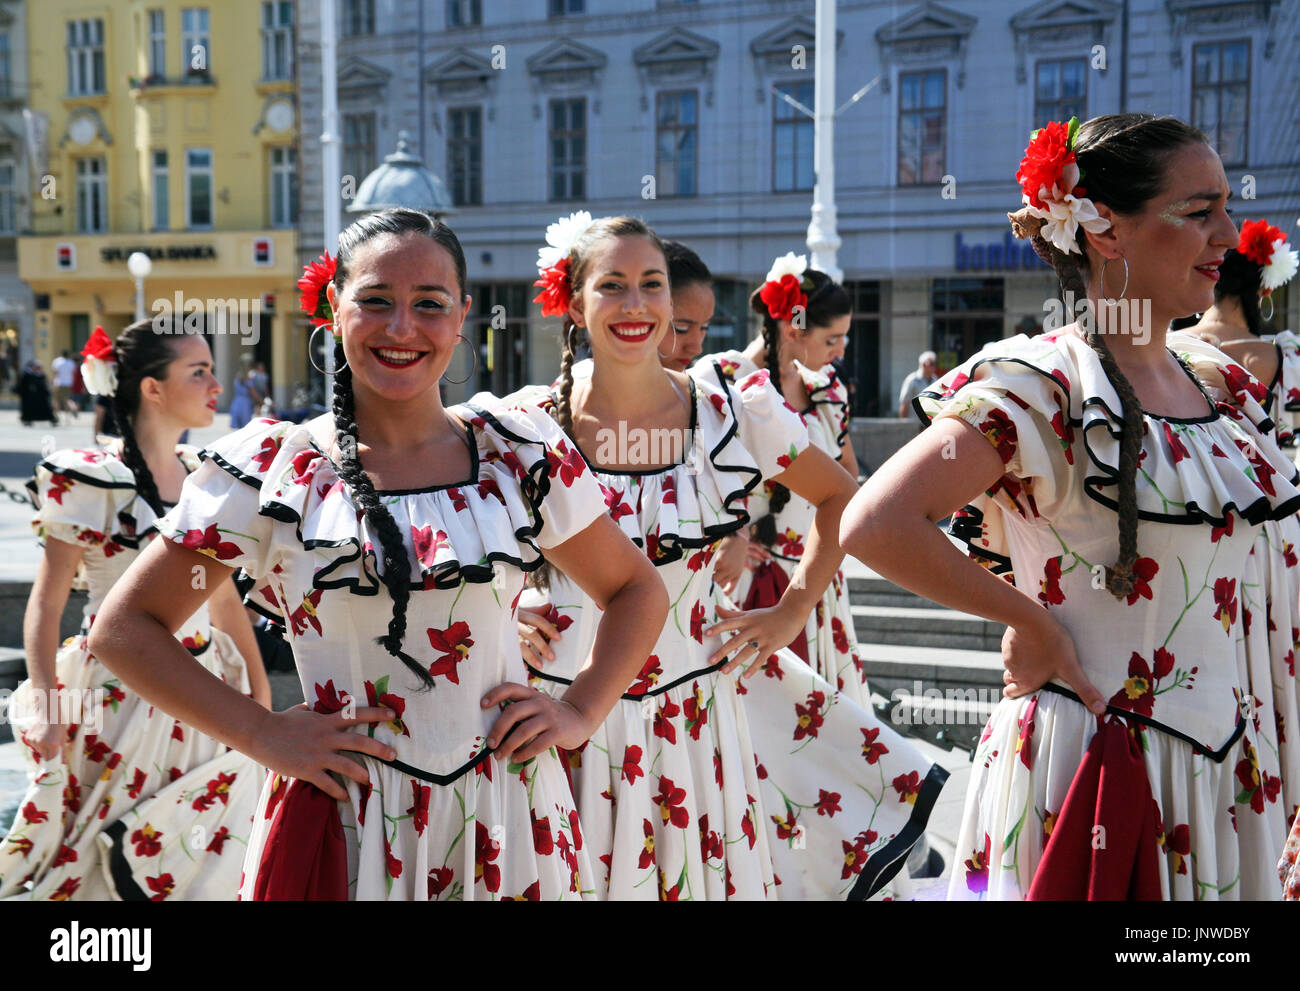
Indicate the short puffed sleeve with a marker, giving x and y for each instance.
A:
(561, 492)
(830, 406)
(1017, 394)
(770, 430)
(218, 512)
(84, 497)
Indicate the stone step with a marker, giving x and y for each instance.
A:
(933, 627)
(875, 591)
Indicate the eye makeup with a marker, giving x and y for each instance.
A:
(1171, 213)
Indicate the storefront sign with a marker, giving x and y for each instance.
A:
(173, 252)
(1009, 253)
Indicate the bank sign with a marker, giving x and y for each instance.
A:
(1009, 254)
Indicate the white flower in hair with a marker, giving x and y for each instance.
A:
(561, 236)
(788, 264)
(1282, 265)
(100, 377)
(1063, 218)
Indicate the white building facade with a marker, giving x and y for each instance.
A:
(669, 110)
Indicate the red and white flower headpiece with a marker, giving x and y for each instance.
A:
(553, 263)
(313, 299)
(1049, 181)
(785, 286)
(1267, 247)
(99, 365)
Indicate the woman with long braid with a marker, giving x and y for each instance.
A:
(805, 318)
(703, 784)
(122, 792)
(1124, 500)
(394, 535)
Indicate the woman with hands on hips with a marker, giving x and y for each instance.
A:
(393, 535)
(1117, 475)
(704, 783)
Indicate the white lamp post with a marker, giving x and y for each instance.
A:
(139, 265)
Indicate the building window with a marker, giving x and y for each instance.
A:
(558, 8)
(358, 146)
(465, 155)
(277, 40)
(967, 314)
(862, 355)
(358, 17)
(922, 114)
(676, 153)
(464, 13)
(92, 196)
(1221, 96)
(284, 186)
(7, 219)
(568, 140)
(1060, 90)
(85, 56)
(5, 90)
(792, 139)
(196, 50)
(161, 182)
(157, 45)
(198, 187)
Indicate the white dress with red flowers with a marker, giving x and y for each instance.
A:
(137, 805)
(1172, 657)
(444, 820)
(832, 640)
(703, 785)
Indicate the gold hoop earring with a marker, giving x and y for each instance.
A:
(1269, 297)
(1102, 280)
(473, 363)
(311, 347)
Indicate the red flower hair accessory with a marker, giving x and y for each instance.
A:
(783, 289)
(1049, 182)
(553, 263)
(313, 299)
(99, 364)
(1267, 247)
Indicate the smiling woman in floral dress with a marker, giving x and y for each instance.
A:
(399, 580)
(805, 317)
(1125, 500)
(125, 800)
(701, 784)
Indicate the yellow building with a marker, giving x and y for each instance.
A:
(172, 130)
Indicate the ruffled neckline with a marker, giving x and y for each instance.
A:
(1193, 470)
(451, 532)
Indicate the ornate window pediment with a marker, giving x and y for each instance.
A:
(567, 65)
(775, 51)
(361, 79)
(926, 35)
(84, 127)
(676, 57)
(1061, 27)
(461, 74)
(1207, 19)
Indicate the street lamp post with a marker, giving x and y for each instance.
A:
(139, 265)
(823, 238)
(329, 140)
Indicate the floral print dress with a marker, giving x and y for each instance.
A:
(831, 638)
(1173, 658)
(1277, 550)
(704, 785)
(443, 821)
(137, 805)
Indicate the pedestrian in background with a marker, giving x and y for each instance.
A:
(927, 372)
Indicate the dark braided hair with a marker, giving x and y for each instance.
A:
(685, 267)
(826, 300)
(1122, 158)
(396, 565)
(1239, 279)
(143, 350)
